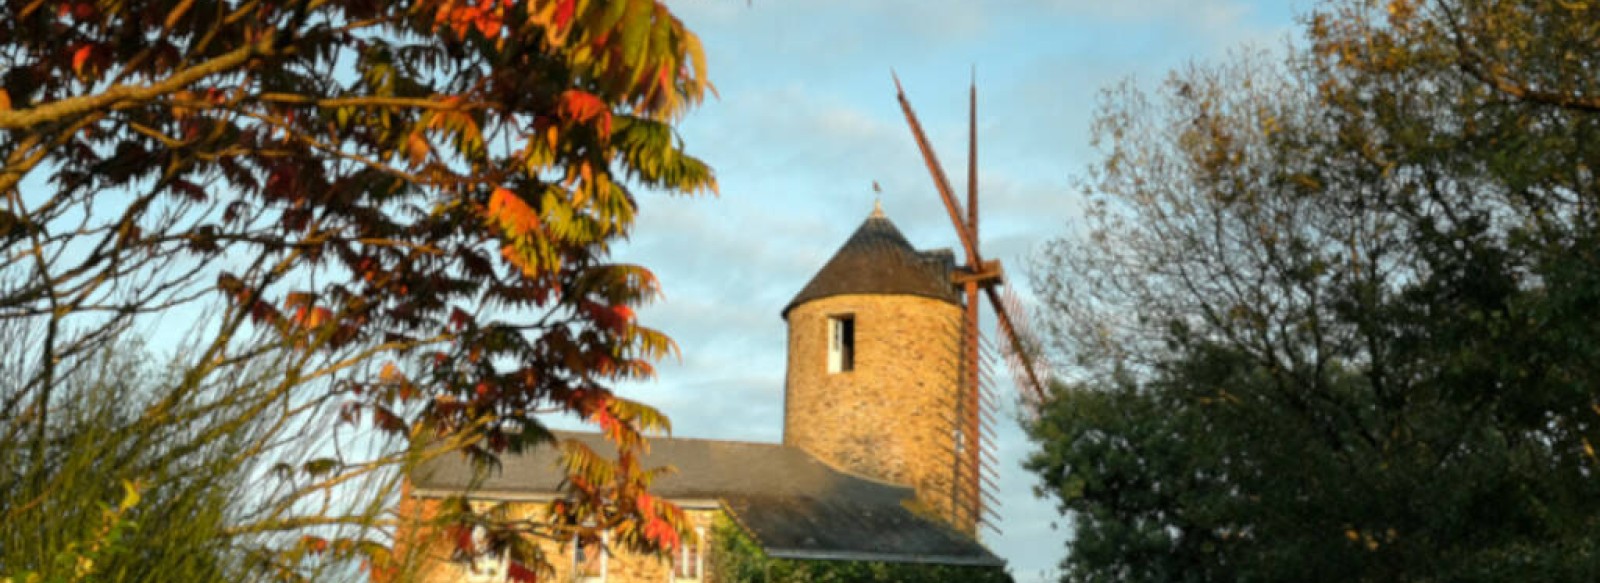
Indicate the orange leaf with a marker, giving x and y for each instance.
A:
(511, 213)
(319, 316)
(299, 300)
(5, 100)
(582, 107)
(316, 545)
(390, 373)
(487, 21)
(609, 424)
(80, 56)
(661, 533)
(417, 148)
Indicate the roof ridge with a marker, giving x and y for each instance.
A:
(797, 449)
(559, 432)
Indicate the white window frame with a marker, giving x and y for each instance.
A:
(605, 542)
(699, 559)
(482, 568)
(842, 343)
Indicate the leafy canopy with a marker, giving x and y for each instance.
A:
(1334, 315)
(405, 207)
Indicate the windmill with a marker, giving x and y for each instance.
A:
(972, 458)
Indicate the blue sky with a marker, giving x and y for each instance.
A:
(806, 121)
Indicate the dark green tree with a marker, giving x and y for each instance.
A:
(1335, 315)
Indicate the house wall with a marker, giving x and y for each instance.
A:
(892, 417)
(427, 553)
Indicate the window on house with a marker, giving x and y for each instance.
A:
(484, 565)
(589, 560)
(689, 561)
(841, 343)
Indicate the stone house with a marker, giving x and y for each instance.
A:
(871, 464)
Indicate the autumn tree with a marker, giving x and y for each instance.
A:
(1334, 314)
(401, 212)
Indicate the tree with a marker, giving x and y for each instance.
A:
(1334, 315)
(403, 211)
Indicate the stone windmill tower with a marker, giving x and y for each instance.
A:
(886, 376)
(874, 367)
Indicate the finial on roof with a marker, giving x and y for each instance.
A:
(877, 200)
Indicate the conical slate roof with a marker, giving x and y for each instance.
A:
(877, 259)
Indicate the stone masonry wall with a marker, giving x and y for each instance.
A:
(892, 417)
(432, 563)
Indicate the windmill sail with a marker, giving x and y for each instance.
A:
(972, 459)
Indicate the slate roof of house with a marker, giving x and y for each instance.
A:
(877, 259)
(792, 504)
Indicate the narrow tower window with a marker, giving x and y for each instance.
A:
(841, 343)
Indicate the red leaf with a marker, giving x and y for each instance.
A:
(317, 545)
(488, 22)
(309, 317)
(609, 424)
(459, 319)
(661, 533)
(350, 412)
(80, 56)
(262, 312)
(564, 13)
(462, 535)
(390, 422)
(581, 107)
(624, 316)
(516, 572)
(235, 211)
